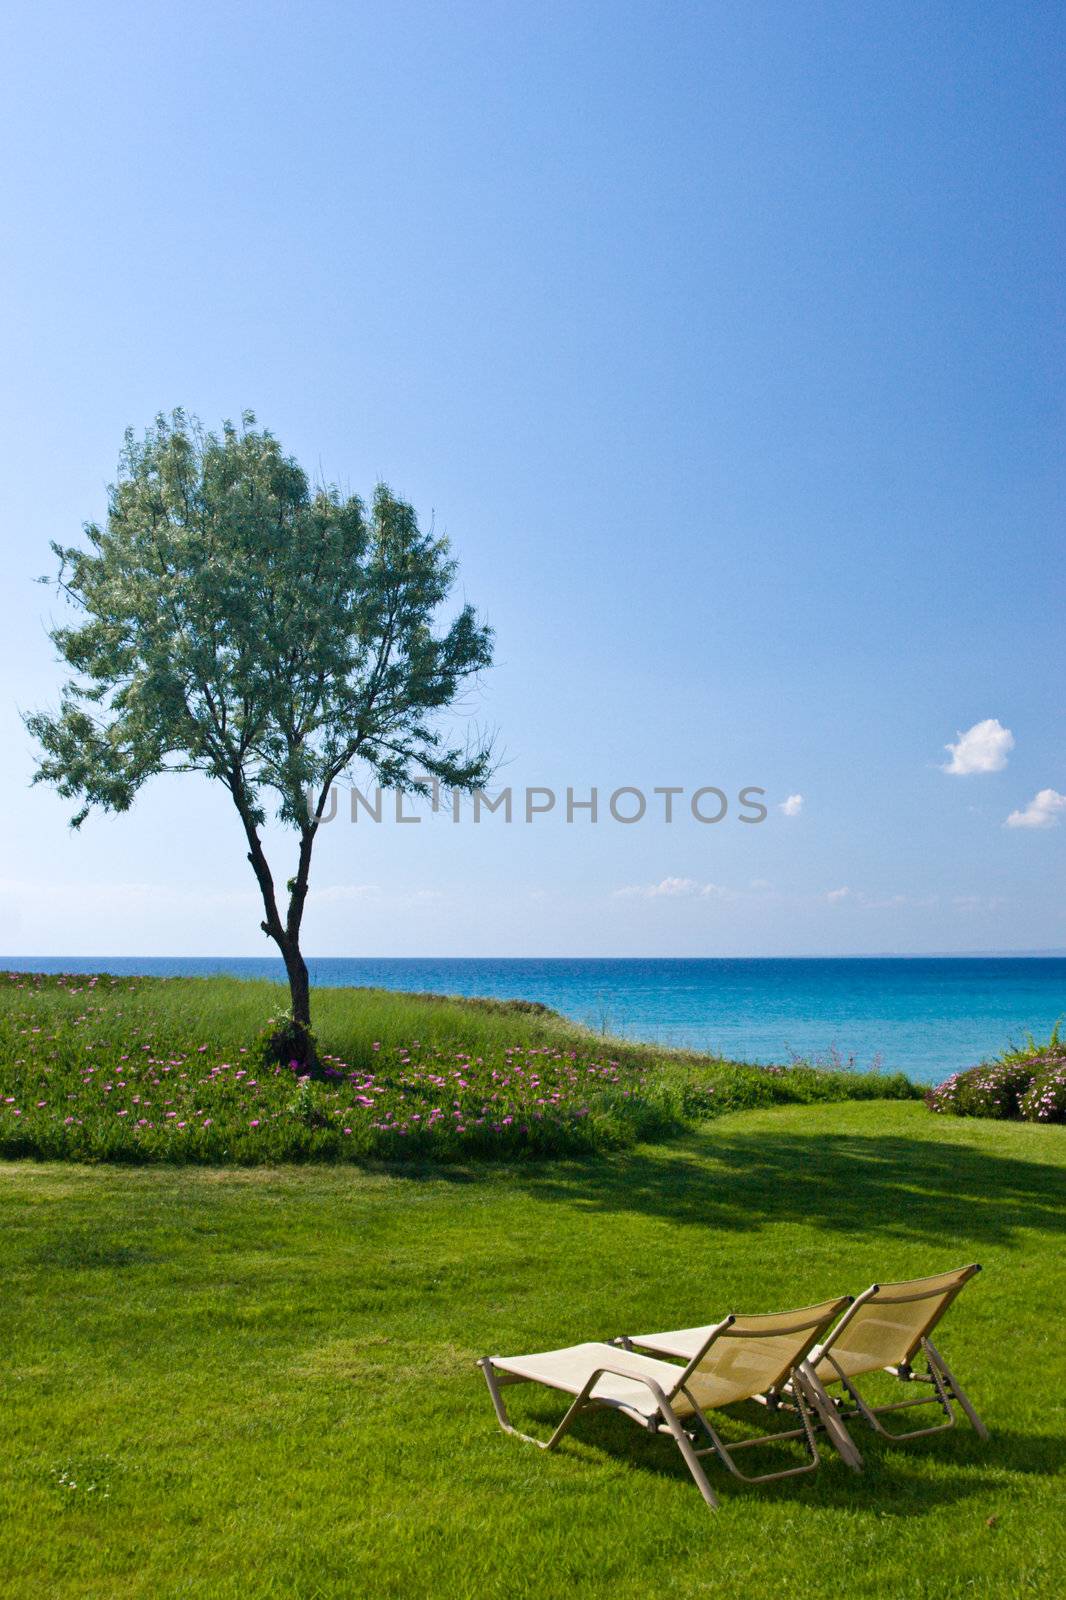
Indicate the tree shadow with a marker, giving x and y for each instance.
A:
(873, 1184)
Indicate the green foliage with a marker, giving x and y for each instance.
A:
(239, 623)
(732, 1086)
(186, 1070)
(1054, 1046)
(236, 622)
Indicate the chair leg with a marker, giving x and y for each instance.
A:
(689, 1455)
(871, 1415)
(829, 1417)
(955, 1389)
(726, 1455)
(580, 1403)
(508, 1426)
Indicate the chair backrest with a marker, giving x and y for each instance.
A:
(886, 1324)
(744, 1356)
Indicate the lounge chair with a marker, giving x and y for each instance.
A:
(886, 1328)
(801, 1386)
(737, 1359)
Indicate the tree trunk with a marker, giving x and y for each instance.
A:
(299, 986)
(293, 1043)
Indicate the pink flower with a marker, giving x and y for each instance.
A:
(254, 1122)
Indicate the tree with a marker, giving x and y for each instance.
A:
(234, 621)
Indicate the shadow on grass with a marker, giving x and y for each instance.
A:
(896, 1480)
(869, 1184)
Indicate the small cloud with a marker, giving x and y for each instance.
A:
(1041, 812)
(978, 902)
(982, 748)
(345, 893)
(836, 895)
(792, 806)
(670, 888)
(132, 895)
(339, 893)
(888, 902)
(667, 887)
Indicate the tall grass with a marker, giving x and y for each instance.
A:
(170, 1069)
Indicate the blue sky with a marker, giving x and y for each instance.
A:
(726, 344)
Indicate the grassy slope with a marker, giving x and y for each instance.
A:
(161, 1070)
(270, 1371)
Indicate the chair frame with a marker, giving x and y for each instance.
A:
(800, 1392)
(946, 1387)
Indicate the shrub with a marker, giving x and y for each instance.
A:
(737, 1087)
(1045, 1099)
(999, 1089)
(994, 1091)
(284, 1041)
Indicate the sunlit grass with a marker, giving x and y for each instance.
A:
(260, 1382)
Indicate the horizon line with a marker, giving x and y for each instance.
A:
(1053, 952)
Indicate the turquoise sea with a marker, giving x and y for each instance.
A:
(926, 1016)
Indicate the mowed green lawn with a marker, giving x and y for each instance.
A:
(262, 1382)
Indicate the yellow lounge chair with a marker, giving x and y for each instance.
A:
(885, 1329)
(737, 1359)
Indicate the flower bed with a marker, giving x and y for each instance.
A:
(68, 1094)
(169, 1069)
(1045, 1099)
(1032, 1087)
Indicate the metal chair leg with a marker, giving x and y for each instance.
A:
(829, 1417)
(508, 1426)
(955, 1389)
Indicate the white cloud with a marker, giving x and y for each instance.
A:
(792, 806)
(344, 893)
(339, 893)
(836, 895)
(671, 888)
(977, 902)
(132, 895)
(982, 748)
(1041, 812)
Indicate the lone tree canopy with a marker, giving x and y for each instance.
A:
(237, 622)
